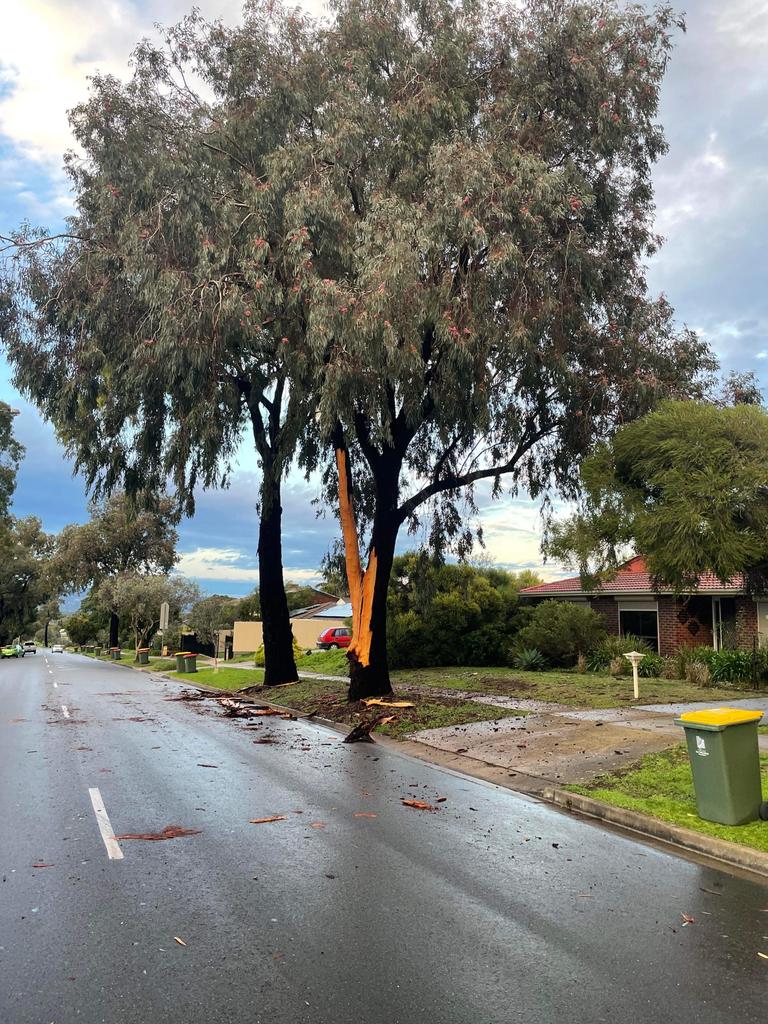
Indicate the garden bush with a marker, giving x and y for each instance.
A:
(528, 659)
(725, 667)
(731, 666)
(613, 647)
(651, 666)
(697, 673)
(442, 614)
(562, 631)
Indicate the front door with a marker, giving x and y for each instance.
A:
(724, 623)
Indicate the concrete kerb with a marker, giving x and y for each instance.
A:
(674, 835)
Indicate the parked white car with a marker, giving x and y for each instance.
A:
(30, 647)
(57, 649)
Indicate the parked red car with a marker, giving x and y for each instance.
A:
(334, 636)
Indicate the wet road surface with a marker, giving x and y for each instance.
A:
(357, 909)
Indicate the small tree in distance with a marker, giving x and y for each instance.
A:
(137, 599)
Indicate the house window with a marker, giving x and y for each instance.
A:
(642, 621)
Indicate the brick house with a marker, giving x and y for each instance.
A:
(718, 615)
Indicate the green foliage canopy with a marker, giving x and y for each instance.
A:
(561, 631)
(443, 614)
(687, 487)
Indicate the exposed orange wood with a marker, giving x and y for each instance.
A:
(361, 584)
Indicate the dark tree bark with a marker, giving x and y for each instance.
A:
(279, 662)
(114, 629)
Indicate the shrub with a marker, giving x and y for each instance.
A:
(529, 659)
(618, 666)
(697, 673)
(562, 631)
(651, 666)
(687, 655)
(730, 666)
(258, 657)
(612, 647)
(581, 664)
(669, 669)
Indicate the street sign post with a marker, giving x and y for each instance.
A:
(165, 612)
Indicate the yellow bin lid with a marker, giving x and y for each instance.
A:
(721, 716)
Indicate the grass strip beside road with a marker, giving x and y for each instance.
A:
(661, 786)
(222, 679)
(582, 690)
(328, 699)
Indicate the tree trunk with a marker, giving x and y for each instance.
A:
(114, 629)
(367, 654)
(279, 662)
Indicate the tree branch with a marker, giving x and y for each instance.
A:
(454, 481)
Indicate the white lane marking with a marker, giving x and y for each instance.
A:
(65, 709)
(56, 685)
(105, 826)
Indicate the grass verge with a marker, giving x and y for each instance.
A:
(328, 699)
(585, 690)
(661, 786)
(224, 679)
(329, 662)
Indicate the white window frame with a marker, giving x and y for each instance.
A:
(640, 606)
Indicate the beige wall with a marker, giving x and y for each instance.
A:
(248, 636)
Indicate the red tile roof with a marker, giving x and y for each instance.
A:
(632, 578)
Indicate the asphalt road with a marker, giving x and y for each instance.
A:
(492, 909)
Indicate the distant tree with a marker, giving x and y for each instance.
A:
(118, 538)
(48, 613)
(25, 551)
(11, 454)
(249, 607)
(686, 487)
(210, 614)
(301, 597)
(137, 598)
(79, 627)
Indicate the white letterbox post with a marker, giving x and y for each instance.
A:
(635, 657)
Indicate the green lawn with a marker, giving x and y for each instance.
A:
(661, 786)
(588, 689)
(327, 662)
(223, 679)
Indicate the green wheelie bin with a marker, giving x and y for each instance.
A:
(181, 657)
(142, 655)
(725, 764)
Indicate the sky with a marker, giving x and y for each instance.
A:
(712, 209)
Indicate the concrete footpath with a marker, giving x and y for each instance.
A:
(557, 746)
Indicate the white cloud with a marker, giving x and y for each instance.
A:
(49, 48)
(231, 564)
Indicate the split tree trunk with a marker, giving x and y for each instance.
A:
(367, 654)
(279, 662)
